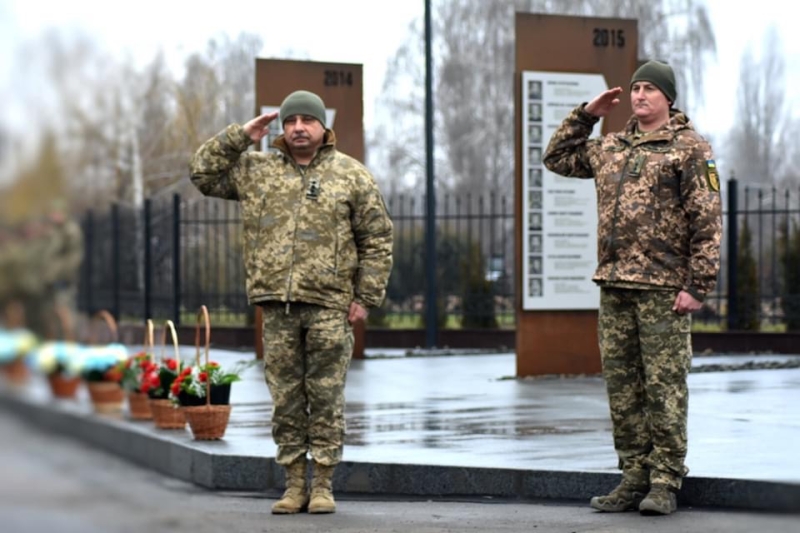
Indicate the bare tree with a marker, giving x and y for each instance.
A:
(474, 65)
(758, 142)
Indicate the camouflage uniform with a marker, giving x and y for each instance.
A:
(659, 230)
(315, 240)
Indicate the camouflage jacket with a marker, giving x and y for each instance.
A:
(319, 235)
(659, 209)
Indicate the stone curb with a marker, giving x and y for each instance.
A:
(198, 463)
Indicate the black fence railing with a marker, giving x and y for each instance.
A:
(168, 257)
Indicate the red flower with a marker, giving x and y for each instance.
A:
(203, 376)
(172, 364)
(213, 364)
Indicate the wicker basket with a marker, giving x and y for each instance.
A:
(207, 422)
(138, 402)
(139, 406)
(62, 386)
(166, 415)
(107, 396)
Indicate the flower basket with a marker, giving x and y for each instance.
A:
(136, 378)
(107, 396)
(101, 370)
(139, 406)
(208, 421)
(166, 415)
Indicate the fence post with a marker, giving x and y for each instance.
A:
(148, 311)
(733, 252)
(176, 259)
(88, 255)
(115, 263)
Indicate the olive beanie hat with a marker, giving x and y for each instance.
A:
(303, 103)
(659, 74)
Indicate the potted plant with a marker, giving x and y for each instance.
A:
(15, 345)
(166, 415)
(203, 389)
(59, 359)
(59, 362)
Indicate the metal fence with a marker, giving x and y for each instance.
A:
(169, 257)
(177, 255)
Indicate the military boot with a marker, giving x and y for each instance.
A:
(322, 490)
(660, 500)
(295, 498)
(625, 497)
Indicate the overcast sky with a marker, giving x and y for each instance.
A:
(350, 31)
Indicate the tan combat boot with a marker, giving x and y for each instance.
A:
(625, 497)
(295, 498)
(322, 490)
(661, 500)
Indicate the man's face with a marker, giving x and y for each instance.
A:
(648, 102)
(303, 133)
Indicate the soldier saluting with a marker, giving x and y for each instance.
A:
(318, 253)
(659, 230)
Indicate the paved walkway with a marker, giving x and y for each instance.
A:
(470, 412)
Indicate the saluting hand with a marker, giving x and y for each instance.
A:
(604, 102)
(257, 128)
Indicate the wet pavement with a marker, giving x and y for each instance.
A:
(470, 411)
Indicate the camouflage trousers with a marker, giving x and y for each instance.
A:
(307, 354)
(646, 354)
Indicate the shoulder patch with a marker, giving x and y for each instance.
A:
(712, 176)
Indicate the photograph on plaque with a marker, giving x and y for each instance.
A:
(535, 268)
(534, 90)
(535, 112)
(535, 155)
(535, 133)
(535, 243)
(534, 178)
(534, 200)
(535, 287)
(535, 221)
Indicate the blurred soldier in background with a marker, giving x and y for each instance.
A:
(39, 268)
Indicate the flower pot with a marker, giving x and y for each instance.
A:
(16, 372)
(208, 422)
(220, 395)
(166, 415)
(107, 396)
(63, 386)
(139, 406)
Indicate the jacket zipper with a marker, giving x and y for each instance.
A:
(616, 211)
(294, 240)
(294, 236)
